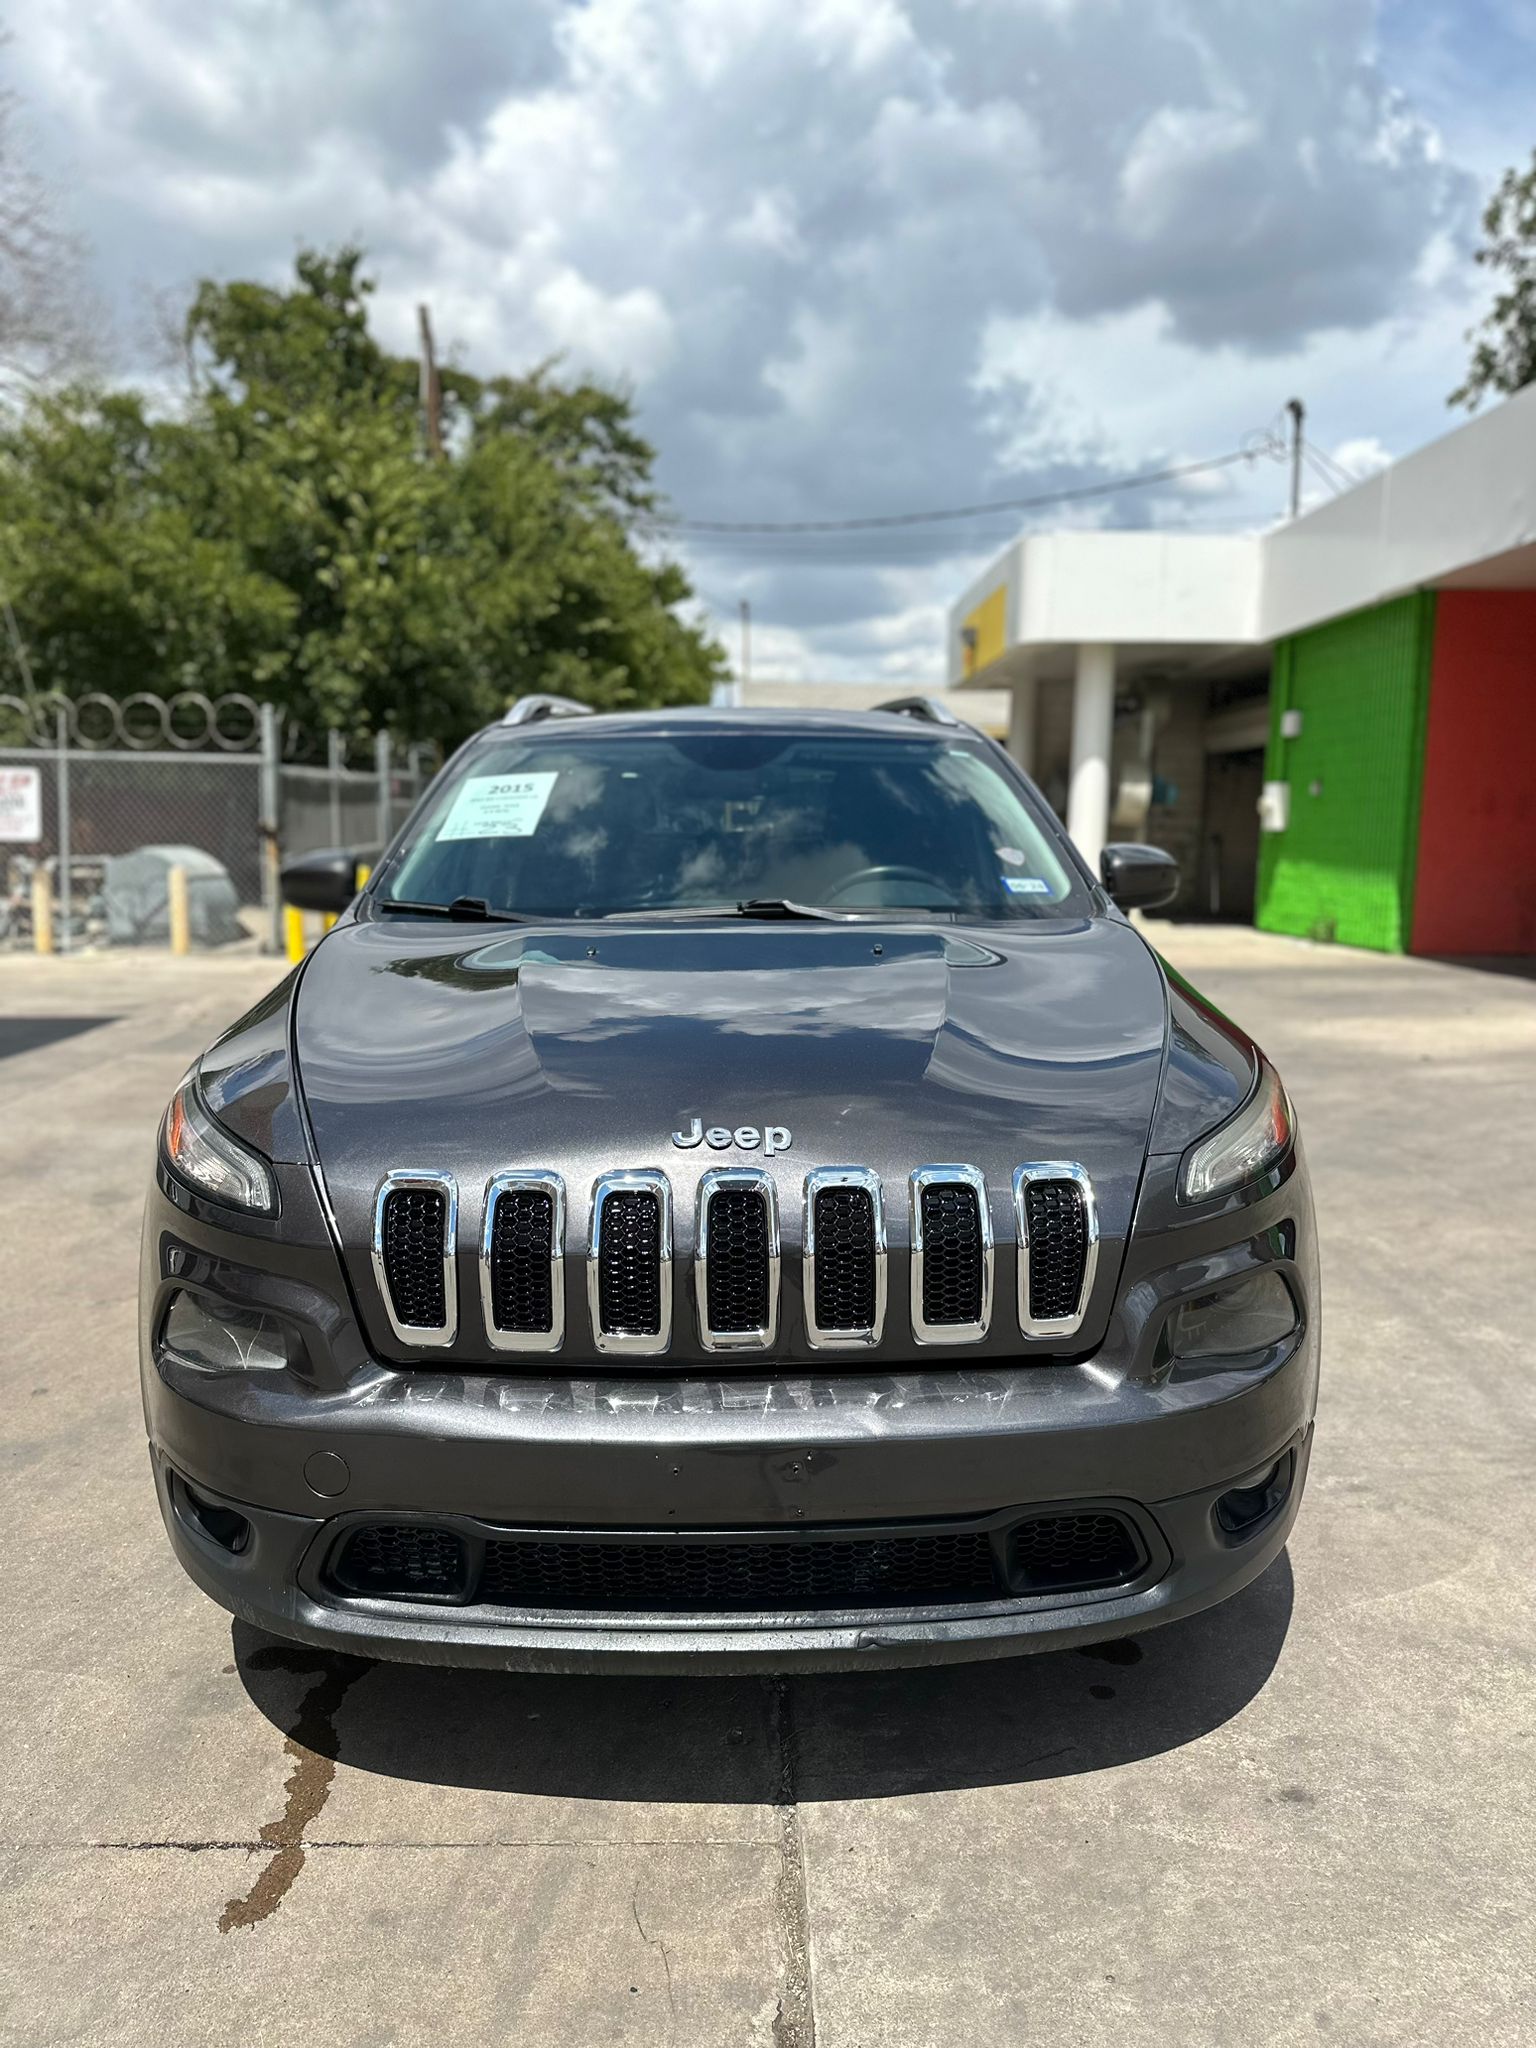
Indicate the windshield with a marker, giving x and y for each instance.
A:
(557, 824)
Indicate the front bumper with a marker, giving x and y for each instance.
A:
(299, 1458)
(788, 1455)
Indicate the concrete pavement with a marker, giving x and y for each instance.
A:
(1305, 1817)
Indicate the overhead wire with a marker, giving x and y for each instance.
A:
(1264, 442)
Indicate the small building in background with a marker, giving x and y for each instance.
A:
(1332, 725)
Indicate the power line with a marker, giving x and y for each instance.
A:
(1257, 445)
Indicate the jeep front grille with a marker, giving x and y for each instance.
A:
(522, 1261)
(629, 1262)
(736, 1259)
(736, 1255)
(415, 1233)
(844, 1257)
(1058, 1233)
(951, 1255)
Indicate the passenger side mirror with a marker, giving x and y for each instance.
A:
(1139, 877)
(321, 881)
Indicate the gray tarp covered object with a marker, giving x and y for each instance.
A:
(136, 892)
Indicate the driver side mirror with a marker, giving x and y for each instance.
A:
(1139, 877)
(321, 881)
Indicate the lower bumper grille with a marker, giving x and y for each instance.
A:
(762, 1571)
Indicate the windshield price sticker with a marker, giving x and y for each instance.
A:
(498, 807)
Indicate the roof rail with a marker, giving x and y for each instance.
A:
(929, 709)
(527, 709)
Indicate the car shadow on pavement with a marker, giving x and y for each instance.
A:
(761, 1740)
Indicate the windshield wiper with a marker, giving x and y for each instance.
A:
(784, 906)
(463, 910)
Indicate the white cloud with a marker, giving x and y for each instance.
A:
(852, 255)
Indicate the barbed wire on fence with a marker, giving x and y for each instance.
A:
(189, 722)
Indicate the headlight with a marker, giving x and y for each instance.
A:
(1240, 1149)
(1250, 1315)
(204, 1155)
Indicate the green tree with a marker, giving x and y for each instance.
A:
(1504, 354)
(287, 534)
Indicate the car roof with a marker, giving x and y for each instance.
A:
(712, 718)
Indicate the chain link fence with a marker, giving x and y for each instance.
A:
(101, 798)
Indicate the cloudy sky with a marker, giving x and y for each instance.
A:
(851, 256)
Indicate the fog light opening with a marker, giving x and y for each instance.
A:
(1240, 1320)
(222, 1337)
(224, 1526)
(1243, 1510)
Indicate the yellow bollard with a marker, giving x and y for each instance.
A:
(42, 910)
(293, 932)
(178, 905)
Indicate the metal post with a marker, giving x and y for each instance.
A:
(268, 826)
(334, 760)
(384, 772)
(66, 910)
(1298, 413)
(178, 912)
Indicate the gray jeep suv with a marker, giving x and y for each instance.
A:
(731, 1190)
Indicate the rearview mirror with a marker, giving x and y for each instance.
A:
(1139, 877)
(321, 881)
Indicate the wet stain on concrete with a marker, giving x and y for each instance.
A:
(312, 1746)
(1101, 1692)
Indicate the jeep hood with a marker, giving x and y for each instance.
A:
(471, 1050)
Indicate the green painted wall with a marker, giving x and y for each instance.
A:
(1344, 867)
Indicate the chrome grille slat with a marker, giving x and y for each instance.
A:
(415, 1256)
(522, 1261)
(1059, 1249)
(629, 1276)
(736, 1259)
(951, 1255)
(844, 1285)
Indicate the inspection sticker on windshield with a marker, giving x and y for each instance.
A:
(498, 807)
(1024, 885)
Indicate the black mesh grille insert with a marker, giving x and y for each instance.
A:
(522, 1293)
(736, 1280)
(769, 1570)
(404, 1561)
(845, 1259)
(1057, 1221)
(413, 1255)
(629, 1263)
(1055, 1553)
(685, 1577)
(952, 1261)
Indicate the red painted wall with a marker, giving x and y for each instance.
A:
(1475, 889)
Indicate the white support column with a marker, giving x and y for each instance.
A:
(1021, 724)
(1093, 729)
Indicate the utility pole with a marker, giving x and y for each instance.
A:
(746, 640)
(431, 388)
(1298, 413)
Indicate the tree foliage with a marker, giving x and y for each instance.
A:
(286, 532)
(1504, 352)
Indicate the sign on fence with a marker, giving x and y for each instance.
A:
(21, 805)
